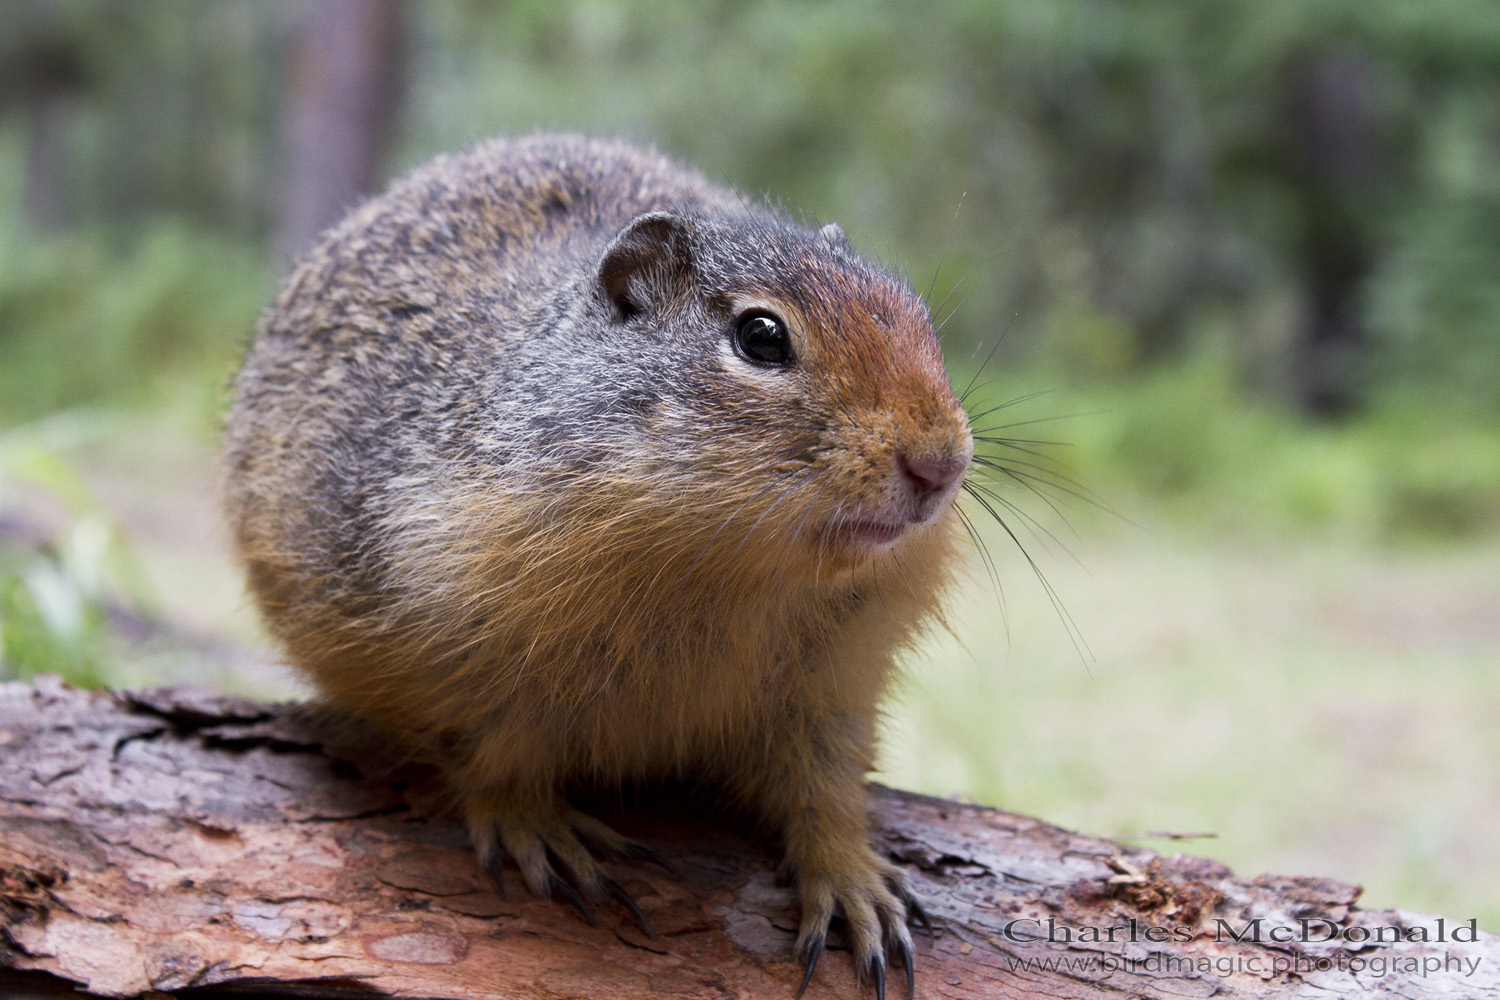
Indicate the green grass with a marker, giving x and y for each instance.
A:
(1325, 708)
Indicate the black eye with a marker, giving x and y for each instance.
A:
(763, 339)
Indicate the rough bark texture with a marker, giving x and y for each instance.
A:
(164, 840)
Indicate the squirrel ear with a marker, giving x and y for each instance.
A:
(833, 235)
(646, 262)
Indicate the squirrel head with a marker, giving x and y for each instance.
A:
(799, 387)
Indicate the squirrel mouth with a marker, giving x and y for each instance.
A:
(868, 534)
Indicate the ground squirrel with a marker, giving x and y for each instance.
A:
(569, 466)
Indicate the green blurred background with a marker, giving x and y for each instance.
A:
(1234, 265)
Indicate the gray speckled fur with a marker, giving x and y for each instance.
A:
(377, 388)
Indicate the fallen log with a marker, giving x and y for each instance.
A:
(165, 840)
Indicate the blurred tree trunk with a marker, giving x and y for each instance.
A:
(45, 188)
(341, 91)
(46, 71)
(1334, 128)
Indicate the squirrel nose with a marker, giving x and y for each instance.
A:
(930, 474)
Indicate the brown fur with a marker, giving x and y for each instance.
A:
(502, 486)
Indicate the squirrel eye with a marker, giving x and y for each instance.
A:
(764, 340)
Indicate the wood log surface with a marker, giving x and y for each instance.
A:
(170, 840)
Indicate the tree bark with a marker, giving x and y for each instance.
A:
(164, 840)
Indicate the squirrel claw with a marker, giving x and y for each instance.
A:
(814, 951)
(915, 909)
(556, 852)
(877, 973)
(640, 852)
(875, 904)
(902, 948)
(495, 865)
(622, 897)
(557, 886)
(602, 840)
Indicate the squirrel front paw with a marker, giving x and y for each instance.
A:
(555, 849)
(874, 900)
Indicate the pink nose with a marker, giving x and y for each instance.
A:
(929, 474)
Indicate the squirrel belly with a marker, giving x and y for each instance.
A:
(564, 464)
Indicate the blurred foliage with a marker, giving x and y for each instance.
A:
(1186, 444)
(59, 587)
(174, 303)
(1128, 177)
(87, 315)
(1127, 197)
(164, 107)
